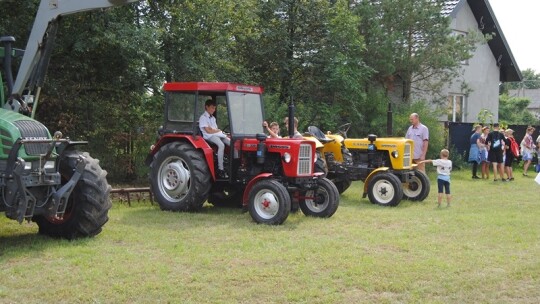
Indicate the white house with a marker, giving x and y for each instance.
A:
(477, 87)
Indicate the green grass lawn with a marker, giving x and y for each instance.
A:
(485, 248)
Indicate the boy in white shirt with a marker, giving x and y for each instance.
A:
(211, 133)
(444, 167)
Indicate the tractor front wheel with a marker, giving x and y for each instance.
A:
(88, 205)
(385, 189)
(269, 202)
(418, 188)
(323, 202)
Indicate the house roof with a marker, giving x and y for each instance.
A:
(487, 23)
(532, 94)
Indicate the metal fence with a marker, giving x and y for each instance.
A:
(459, 135)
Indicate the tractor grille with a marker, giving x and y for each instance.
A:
(305, 161)
(407, 156)
(31, 129)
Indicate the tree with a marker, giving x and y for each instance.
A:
(513, 110)
(531, 80)
(410, 42)
(310, 52)
(197, 39)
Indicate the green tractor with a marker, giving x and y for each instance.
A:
(43, 177)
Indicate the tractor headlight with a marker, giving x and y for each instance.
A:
(287, 157)
(49, 164)
(395, 154)
(27, 165)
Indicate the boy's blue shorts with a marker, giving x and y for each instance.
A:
(443, 184)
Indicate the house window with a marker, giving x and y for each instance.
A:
(456, 104)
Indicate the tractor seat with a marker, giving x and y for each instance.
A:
(317, 133)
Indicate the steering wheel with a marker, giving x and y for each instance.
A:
(226, 129)
(344, 128)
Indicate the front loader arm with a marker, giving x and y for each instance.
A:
(37, 53)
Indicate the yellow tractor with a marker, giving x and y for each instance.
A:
(383, 164)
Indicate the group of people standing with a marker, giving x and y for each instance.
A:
(500, 148)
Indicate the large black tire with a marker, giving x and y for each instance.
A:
(179, 177)
(88, 205)
(320, 165)
(269, 202)
(419, 187)
(385, 189)
(324, 201)
(342, 184)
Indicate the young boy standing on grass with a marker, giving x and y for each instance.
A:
(444, 166)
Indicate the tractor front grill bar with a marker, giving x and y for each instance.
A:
(33, 130)
(407, 156)
(305, 160)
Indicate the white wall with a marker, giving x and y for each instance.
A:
(480, 74)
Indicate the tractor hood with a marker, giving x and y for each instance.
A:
(14, 126)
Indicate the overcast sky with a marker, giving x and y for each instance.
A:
(519, 20)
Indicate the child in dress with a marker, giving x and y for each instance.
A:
(444, 167)
(483, 153)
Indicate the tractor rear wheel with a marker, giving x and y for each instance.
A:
(323, 202)
(179, 177)
(269, 202)
(385, 189)
(320, 165)
(88, 206)
(418, 188)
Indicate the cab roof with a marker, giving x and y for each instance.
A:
(211, 87)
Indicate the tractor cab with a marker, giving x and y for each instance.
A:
(239, 114)
(239, 108)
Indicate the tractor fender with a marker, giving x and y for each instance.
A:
(196, 141)
(318, 144)
(370, 176)
(245, 195)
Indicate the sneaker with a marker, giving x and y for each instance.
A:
(475, 177)
(222, 174)
(511, 178)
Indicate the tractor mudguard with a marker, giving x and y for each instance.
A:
(370, 176)
(196, 141)
(318, 144)
(245, 196)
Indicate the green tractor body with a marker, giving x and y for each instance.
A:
(43, 178)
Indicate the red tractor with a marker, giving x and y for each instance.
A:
(267, 176)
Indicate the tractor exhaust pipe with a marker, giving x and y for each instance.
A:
(7, 41)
